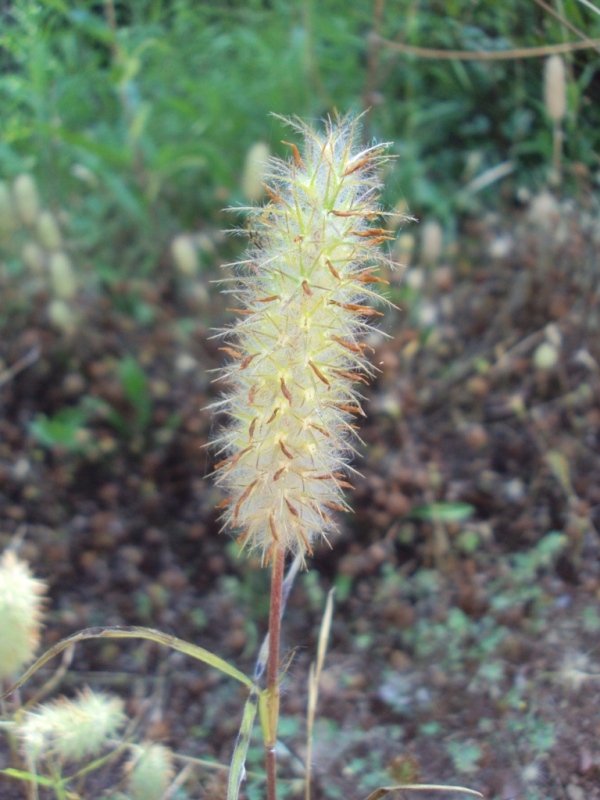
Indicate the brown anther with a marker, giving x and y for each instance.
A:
(252, 394)
(240, 311)
(269, 299)
(231, 352)
(296, 154)
(245, 496)
(363, 162)
(242, 536)
(379, 240)
(269, 554)
(251, 428)
(306, 288)
(309, 549)
(351, 409)
(354, 348)
(320, 429)
(366, 311)
(272, 194)
(285, 391)
(319, 374)
(345, 485)
(298, 239)
(273, 415)
(224, 503)
(278, 474)
(370, 278)
(332, 269)
(247, 361)
(273, 528)
(285, 451)
(346, 213)
(371, 232)
(334, 506)
(232, 460)
(292, 510)
(352, 376)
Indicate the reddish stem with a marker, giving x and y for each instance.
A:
(273, 671)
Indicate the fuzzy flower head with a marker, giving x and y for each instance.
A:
(149, 772)
(297, 355)
(72, 729)
(21, 601)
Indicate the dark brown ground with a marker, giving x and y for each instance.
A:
(461, 651)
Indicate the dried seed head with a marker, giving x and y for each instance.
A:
(21, 602)
(27, 199)
(297, 356)
(72, 729)
(555, 88)
(150, 771)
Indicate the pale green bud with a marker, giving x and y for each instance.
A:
(432, 240)
(8, 221)
(33, 257)
(48, 232)
(27, 199)
(185, 255)
(72, 729)
(21, 601)
(254, 172)
(62, 276)
(545, 357)
(62, 316)
(150, 771)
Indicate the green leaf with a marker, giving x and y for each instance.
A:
(64, 429)
(135, 632)
(26, 776)
(237, 771)
(444, 512)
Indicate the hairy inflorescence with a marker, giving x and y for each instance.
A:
(297, 356)
(21, 603)
(72, 729)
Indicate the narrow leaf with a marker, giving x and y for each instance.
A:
(135, 632)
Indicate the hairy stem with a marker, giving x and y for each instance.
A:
(273, 671)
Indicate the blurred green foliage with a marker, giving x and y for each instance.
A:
(136, 117)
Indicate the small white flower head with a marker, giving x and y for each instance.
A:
(150, 771)
(21, 603)
(298, 356)
(72, 729)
